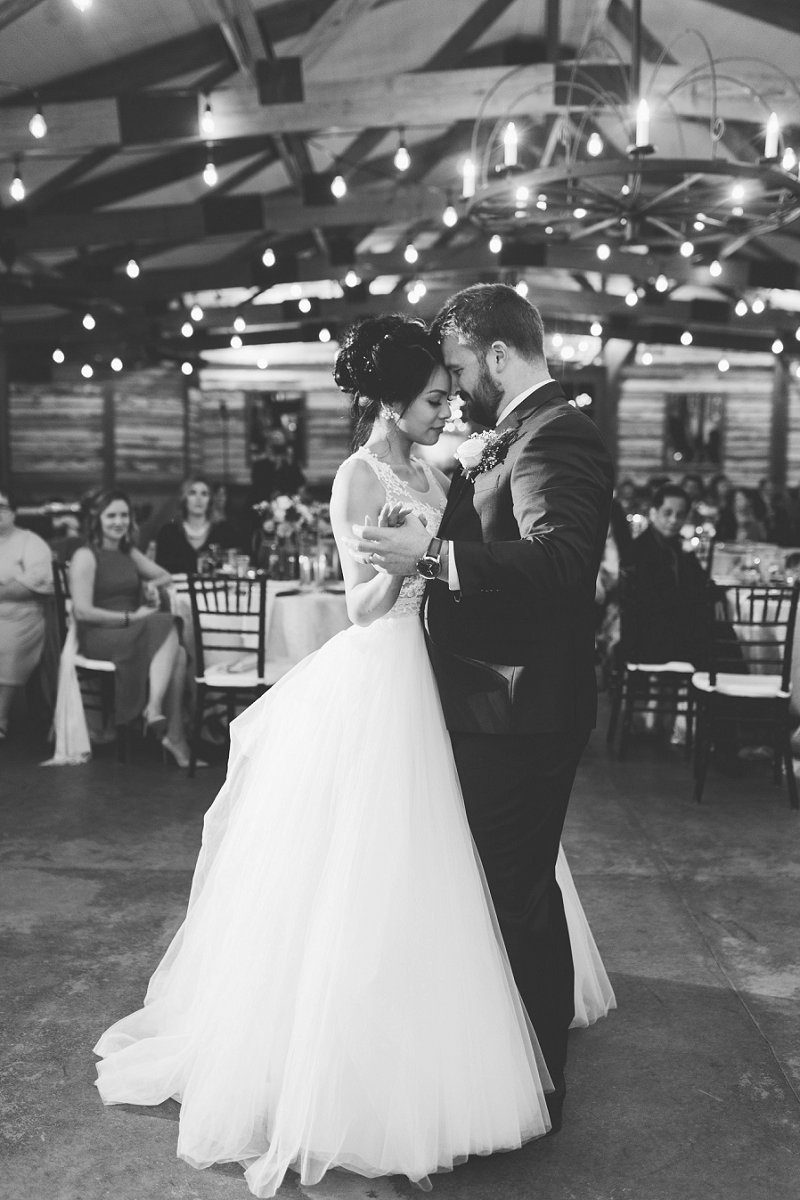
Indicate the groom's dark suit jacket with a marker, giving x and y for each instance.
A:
(513, 651)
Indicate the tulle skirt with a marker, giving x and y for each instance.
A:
(339, 994)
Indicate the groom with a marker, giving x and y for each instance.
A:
(510, 621)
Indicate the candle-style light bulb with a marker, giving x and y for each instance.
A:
(468, 179)
(642, 123)
(772, 135)
(510, 143)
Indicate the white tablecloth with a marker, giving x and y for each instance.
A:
(299, 621)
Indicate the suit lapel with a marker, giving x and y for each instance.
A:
(459, 485)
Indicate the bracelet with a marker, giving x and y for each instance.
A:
(126, 620)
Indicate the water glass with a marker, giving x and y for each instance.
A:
(319, 568)
(306, 576)
(241, 564)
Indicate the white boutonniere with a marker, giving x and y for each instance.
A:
(482, 451)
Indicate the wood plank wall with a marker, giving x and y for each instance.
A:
(748, 412)
(57, 439)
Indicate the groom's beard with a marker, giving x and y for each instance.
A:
(485, 400)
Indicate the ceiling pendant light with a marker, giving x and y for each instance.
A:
(17, 187)
(208, 125)
(338, 186)
(210, 175)
(402, 159)
(37, 123)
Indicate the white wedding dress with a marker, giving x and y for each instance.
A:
(338, 994)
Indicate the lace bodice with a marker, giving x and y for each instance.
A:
(429, 508)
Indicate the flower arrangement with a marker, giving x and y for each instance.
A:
(286, 516)
(482, 451)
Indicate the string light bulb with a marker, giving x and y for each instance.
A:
(210, 175)
(723, 365)
(17, 187)
(686, 338)
(304, 305)
(338, 186)
(411, 253)
(87, 371)
(132, 269)
(239, 324)
(58, 355)
(495, 243)
(450, 216)
(596, 329)
(268, 257)
(236, 342)
(521, 288)
(196, 312)
(324, 334)
(603, 251)
(777, 346)
(772, 136)
(758, 305)
(789, 160)
(687, 249)
(187, 329)
(116, 364)
(37, 123)
(186, 368)
(715, 269)
(207, 123)
(662, 283)
(352, 279)
(632, 298)
(402, 159)
(594, 145)
(88, 321)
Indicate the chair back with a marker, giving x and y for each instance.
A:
(61, 594)
(229, 614)
(639, 619)
(754, 631)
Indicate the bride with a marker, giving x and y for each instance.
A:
(338, 994)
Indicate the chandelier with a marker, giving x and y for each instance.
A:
(644, 162)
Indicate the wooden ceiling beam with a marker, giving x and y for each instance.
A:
(12, 10)
(781, 14)
(425, 99)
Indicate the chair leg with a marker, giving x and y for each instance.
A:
(788, 762)
(616, 703)
(702, 753)
(197, 727)
(627, 721)
(688, 747)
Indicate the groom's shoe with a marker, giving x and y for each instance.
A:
(555, 1105)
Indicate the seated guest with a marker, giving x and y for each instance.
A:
(25, 578)
(771, 507)
(695, 489)
(737, 521)
(180, 543)
(108, 578)
(666, 586)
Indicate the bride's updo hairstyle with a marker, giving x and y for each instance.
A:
(384, 360)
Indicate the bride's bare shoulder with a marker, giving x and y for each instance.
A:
(355, 475)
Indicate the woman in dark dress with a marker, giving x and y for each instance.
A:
(108, 578)
(179, 543)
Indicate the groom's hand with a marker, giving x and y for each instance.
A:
(393, 550)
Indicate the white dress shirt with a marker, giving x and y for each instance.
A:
(452, 572)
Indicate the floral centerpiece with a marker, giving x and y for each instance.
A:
(288, 527)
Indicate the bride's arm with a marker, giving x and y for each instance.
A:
(357, 494)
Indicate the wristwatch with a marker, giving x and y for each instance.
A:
(430, 564)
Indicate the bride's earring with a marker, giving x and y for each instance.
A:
(390, 414)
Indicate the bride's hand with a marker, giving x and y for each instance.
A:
(392, 515)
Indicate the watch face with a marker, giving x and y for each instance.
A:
(429, 568)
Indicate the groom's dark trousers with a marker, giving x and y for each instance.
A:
(513, 652)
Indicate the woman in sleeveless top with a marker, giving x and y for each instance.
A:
(339, 994)
(108, 579)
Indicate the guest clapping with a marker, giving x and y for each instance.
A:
(25, 578)
(180, 543)
(108, 578)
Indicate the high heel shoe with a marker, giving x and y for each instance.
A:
(155, 727)
(179, 755)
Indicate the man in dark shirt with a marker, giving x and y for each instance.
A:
(666, 587)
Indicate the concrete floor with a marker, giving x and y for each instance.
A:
(691, 1089)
